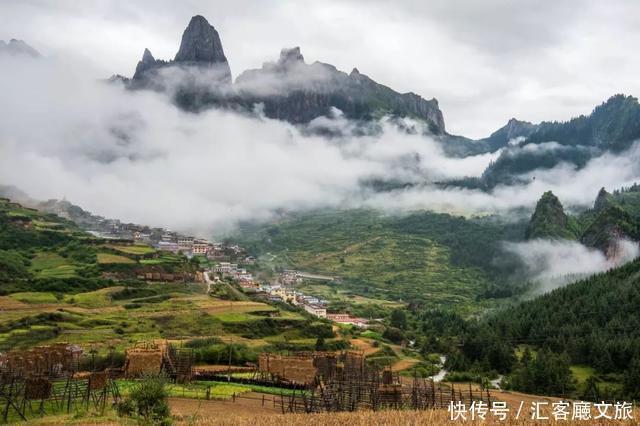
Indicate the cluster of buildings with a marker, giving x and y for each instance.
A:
(176, 243)
(348, 320)
(191, 246)
(231, 270)
(313, 305)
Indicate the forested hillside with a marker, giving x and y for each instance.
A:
(550, 221)
(594, 322)
(613, 217)
(612, 127)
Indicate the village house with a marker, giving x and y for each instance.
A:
(223, 267)
(251, 286)
(308, 300)
(185, 243)
(339, 317)
(168, 246)
(347, 319)
(285, 294)
(317, 310)
(141, 237)
(169, 237)
(200, 247)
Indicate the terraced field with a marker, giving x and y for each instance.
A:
(110, 317)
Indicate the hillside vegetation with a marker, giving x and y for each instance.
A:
(60, 284)
(612, 126)
(612, 217)
(43, 252)
(428, 259)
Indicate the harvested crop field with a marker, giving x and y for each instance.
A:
(105, 258)
(365, 345)
(212, 411)
(404, 364)
(365, 418)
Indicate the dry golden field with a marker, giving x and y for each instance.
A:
(366, 418)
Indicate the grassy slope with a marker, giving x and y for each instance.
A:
(436, 260)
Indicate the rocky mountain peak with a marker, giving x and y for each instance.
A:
(290, 56)
(200, 46)
(603, 200)
(289, 88)
(549, 220)
(18, 47)
(200, 43)
(147, 62)
(147, 57)
(516, 128)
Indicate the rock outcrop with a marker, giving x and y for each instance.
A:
(549, 220)
(610, 226)
(603, 200)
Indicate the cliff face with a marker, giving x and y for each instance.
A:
(288, 89)
(295, 91)
(610, 225)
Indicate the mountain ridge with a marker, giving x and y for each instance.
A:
(289, 89)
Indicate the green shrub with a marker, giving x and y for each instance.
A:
(133, 293)
(147, 402)
(203, 342)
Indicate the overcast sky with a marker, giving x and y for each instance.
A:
(485, 61)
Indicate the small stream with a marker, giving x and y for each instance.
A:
(442, 373)
(496, 382)
(440, 376)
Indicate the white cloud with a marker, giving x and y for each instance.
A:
(134, 156)
(553, 263)
(485, 61)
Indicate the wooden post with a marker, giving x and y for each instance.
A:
(433, 393)
(69, 395)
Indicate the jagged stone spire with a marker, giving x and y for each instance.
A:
(147, 62)
(201, 45)
(147, 56)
